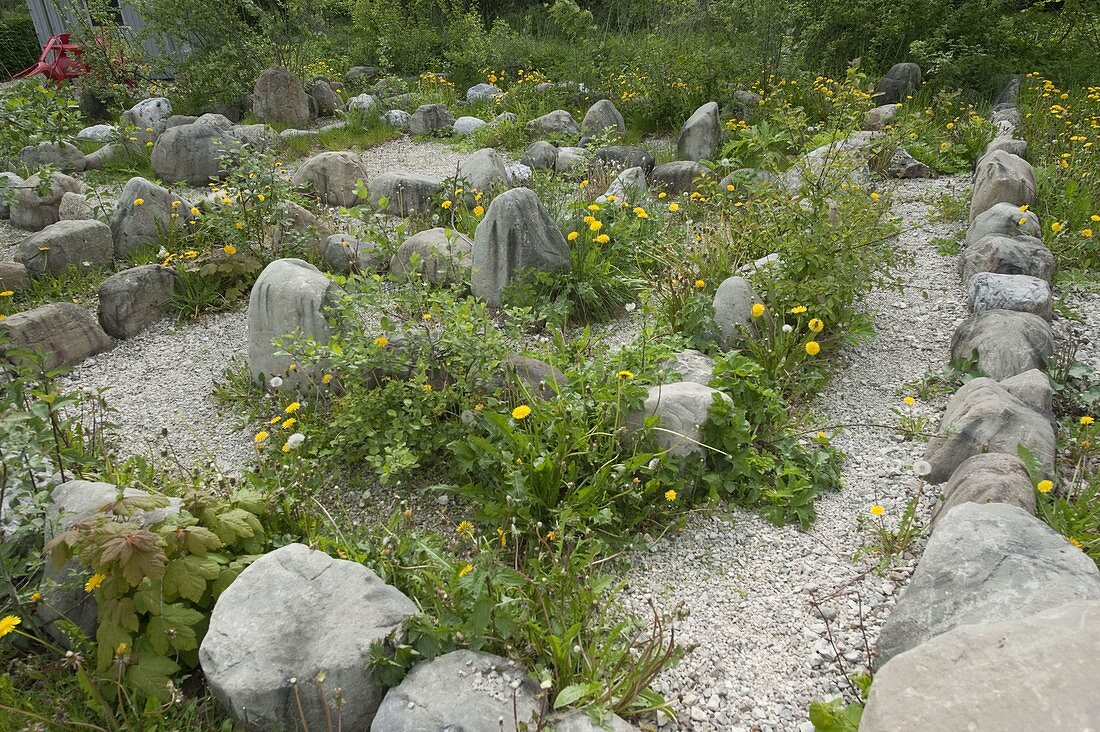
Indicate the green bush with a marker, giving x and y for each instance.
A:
(19, 47)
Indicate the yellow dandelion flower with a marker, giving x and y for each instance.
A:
(798, 310)
(1024, 208)
(757, 310)
(381, 341)
(813, 348)
(288, 423)
(426, 317)
(229, 249)
(572, 236)
(521, 412)
(479, 211)
(261, 436)
(94, 582)
(6, 293)
(593, 207)
(816, 325)
(427, 387)
(1044, 486)
(275, 419)
(641, 212)
(8, 624)
(909, 401)
(1056, 227)
(326, 378)
(465, 527)
(673, 207)
(1086, 420)
(624, 374)
(285, 447)
(729, 187)
(239, 225)
(877, 510)
(139, 201)
(194, 211)
(261, 197)
(670, 495)
(875, 196)
(445, 204)
(466, 570)
(595, 225)
(602, 239)
(700, 284)
(1087, 233)
(293, 407)
(36, 596)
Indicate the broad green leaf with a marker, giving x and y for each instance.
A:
(187, 576)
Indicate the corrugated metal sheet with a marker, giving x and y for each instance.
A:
(51, 20)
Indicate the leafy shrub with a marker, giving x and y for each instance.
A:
(19, 47)
(34, 111)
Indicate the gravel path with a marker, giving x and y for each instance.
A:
(164, 379)
(762, 653)
(406, 155)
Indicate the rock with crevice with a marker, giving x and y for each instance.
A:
(1022, 293)
(462, 690)
(986, 563)
(430, 118)
(62, 332)
(1004, 342)
(983, 416)
(290, 301)
(989, 478)
(540, 155)
(1007, 255)
(899, 82)
(1036, 672)
(134, 299)
(274, 660)
(699, 136)
(517, 234)
(558, 122)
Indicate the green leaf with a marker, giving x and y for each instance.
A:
(149, 674)
(199, 540)
(187, 576)
(570, 695)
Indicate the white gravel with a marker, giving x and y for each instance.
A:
(163, 379)
(762, 652)
(406, 155)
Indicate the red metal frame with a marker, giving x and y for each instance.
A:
(60, 60)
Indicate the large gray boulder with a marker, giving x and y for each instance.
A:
(733, 301)
(289, 300)
(33, 212)
(989, 478)
(628, 186)
(63, 332)
(985, 563)
(1005, 219)
(483, 92)
(1005, 342)
(700, 134)
(13, 275)
(571, 159)
(1002, 177)
(877, 118)
(680, 176)
(346, 253)
(1009, 144)
(364, 105)
(83, 244)
(133, 299)
(617, 158)
(62, 586)
(149, 118)
(397, 118)
(531, 376)
(63, 156)
(540, 155)
(983, 416)
(691, 365)
(279, 97)
(904, 166)
(1029, 673)
(486, 171)
(97, 133)
(602, 118)
(332, 177)
(516, 234)
(467, 125)
(143, 215)
(404, 194)
(192, 153)
(682, 409)
(430, 118)
(462, 690)
(1007, 255)
(989, 291)
(292, 617)
(558, 122)
(328, 101)
(7, 181)
(900, 81)
(440, 256)
(74, 207)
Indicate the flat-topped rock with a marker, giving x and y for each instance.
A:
(134, 299)
(1022, 293)
(1004, 342)
(403, 194)
(986, 563)
(332, 177)
(1008, 255)
(83, 244)
(63, 332)
(989, 478)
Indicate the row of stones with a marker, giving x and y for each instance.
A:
(997, 629)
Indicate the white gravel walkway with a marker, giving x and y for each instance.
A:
(762, 656)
